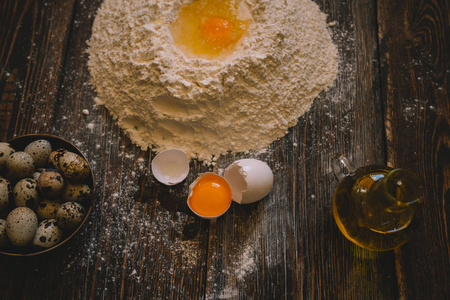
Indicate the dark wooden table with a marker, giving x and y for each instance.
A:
(390, 105)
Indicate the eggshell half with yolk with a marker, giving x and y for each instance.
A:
(250, 180)
(209, 196)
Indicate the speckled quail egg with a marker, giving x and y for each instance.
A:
(46, 209)
(74, 167)
(50, 183)
(26, 193)
(5, 151)
(70, 215)
(3, 235)
(54, 157)
(76, 192)
(37, 173)
(19, 165)
(48, 234)
(40, 151)
(6, 193)
(21, 226)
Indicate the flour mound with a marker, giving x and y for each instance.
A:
(209, 107)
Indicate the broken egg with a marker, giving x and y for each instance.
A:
(250, 180)
(170, 166)
(211, 29)
(209, 196)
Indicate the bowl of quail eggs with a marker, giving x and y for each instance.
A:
(46, 193)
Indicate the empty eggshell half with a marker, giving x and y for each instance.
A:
(250, 180)
(170, 166)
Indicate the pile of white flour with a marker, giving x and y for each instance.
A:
(209, 107)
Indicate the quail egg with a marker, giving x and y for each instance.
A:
(6, 194)
(74, 167)
(54, 157)
(21, 226)
(48, 234)
(47, 209)
(26, 193)
(50, 183)
(5, 151)
(3, 236)
(70, 215)
(19, 165)
(76, 192)
(37, 173)
(40, 151)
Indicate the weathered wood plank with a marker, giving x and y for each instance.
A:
(32, 47)
(143, 242)
(33, 39)
(288, 246)
(414, 39)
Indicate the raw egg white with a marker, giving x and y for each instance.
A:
(250, 180)
(170, 166)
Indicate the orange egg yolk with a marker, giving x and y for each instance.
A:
(210, 196)
(210, 29)
(217, 31)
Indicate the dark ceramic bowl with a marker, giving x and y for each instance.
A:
(19, 144)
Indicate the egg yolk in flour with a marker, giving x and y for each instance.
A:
(210, 196)
(210, 29)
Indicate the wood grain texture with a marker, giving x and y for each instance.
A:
(291, 237)
(414, 51)
(389, 104)
(32, 48)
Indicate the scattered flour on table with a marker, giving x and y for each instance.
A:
(209, 107)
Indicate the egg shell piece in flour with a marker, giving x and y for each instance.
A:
(250, 180)
(170, 166)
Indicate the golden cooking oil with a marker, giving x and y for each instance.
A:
(378, 208)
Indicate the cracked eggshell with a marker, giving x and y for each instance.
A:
(170, 166)
(250, 180)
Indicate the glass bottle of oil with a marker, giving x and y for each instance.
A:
(376, 207)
